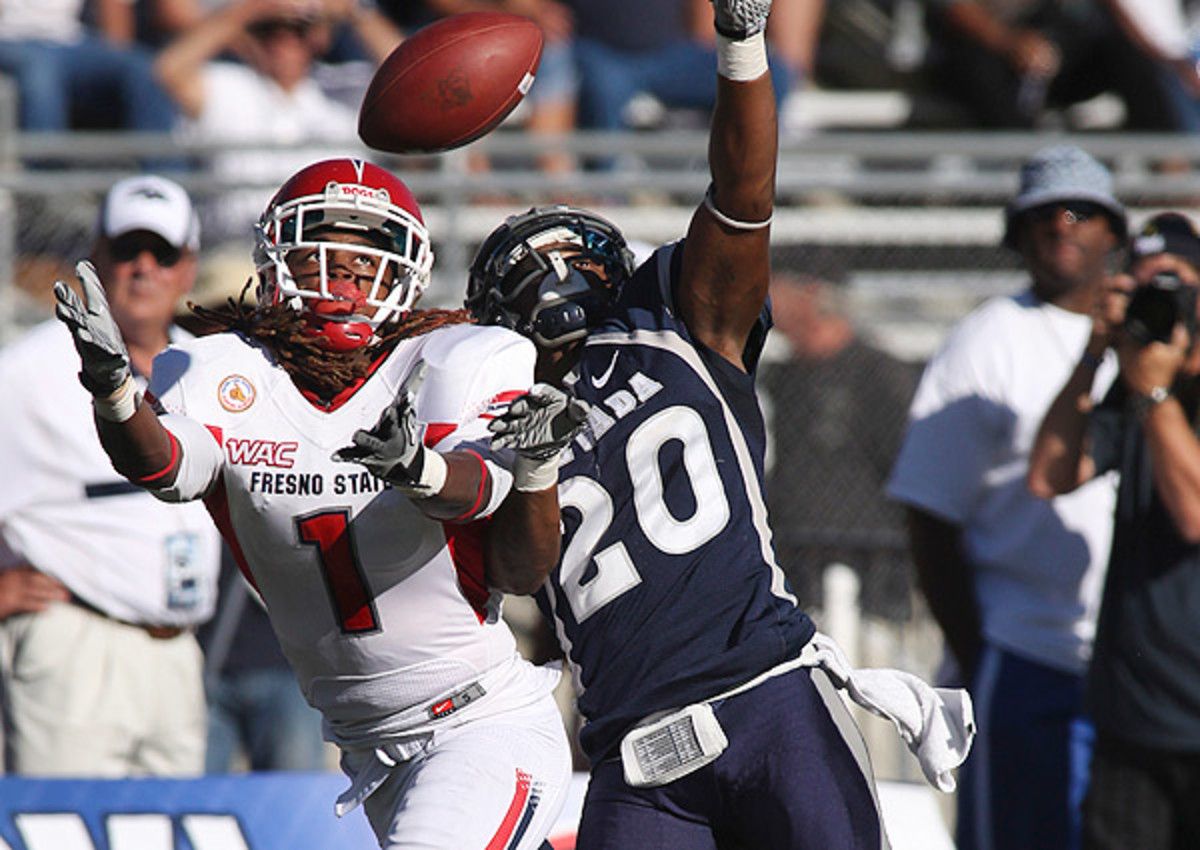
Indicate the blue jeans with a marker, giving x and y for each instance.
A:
(681, 74)
(263, 713)
(1022, 786)
(115, 85)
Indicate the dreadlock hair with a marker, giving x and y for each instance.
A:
(310, 365)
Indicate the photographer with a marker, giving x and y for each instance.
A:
(1144, 681)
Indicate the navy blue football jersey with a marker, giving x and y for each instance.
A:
(667, 592)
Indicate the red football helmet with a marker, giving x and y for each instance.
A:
(345, 196)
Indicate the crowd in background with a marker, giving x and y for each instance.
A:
(113, 64)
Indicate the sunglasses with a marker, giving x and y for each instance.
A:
(267, 29)
(125, 249)
(1077, 212)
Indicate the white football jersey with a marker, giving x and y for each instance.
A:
(378, 607)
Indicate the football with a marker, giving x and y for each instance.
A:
(450, 82)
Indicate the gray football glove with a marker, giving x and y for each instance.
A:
(393, 449)
(739, 19)
(540, 423)
(97, 338)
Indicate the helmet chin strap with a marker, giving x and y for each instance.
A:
(558, 264)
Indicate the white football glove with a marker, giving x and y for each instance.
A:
(394, 449)
(740, 19)
(97, 338)
(539, 424)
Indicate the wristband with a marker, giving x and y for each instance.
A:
(733, 223)
(741, 60)
(432, 478)
(1091, 361)
(120, 404)
(531, 475)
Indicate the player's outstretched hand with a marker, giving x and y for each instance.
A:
(540, 423)
(740, 19)
(393, 449)
(97, 337)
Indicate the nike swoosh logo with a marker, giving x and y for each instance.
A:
(599, 382)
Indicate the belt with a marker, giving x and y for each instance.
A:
(156, 632)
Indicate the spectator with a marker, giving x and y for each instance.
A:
(1014, 581)
(269, 104)
(667, 598)
(1144, 682)
(378, 594)
(1162, 31)
(607, 52)
(69, 75)
(1006, 63)
(255, 709)
(100, 671)
(837, 408)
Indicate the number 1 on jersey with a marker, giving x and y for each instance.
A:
(353, 605)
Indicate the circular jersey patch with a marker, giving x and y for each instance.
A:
(236, 394)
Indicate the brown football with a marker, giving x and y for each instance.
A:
(450, 82)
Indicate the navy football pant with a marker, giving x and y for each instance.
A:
(794, 777)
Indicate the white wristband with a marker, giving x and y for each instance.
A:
(532, 476)
(121, 404)
(742, 60)
(433, 477)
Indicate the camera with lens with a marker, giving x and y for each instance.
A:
(1157, 306)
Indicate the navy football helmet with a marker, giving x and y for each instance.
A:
(550, 250)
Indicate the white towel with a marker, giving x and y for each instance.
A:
(937, 724)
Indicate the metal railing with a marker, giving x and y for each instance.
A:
(930, 199)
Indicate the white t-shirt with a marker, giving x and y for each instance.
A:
(244, 107)
(378, 607)
(67, 512)
(48, 20)
(1039, 564)
(1163, 23)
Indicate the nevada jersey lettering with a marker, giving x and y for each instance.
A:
(677, 437)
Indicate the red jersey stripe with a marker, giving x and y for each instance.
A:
(465, 543)
(513, 816)
(217, 503)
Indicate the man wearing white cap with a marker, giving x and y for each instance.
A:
(1013, 580)
(100, 583)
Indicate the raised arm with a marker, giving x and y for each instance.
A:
(726, 259)
(139, 447)
(180, 65)
(1059, 460)
(1150, 373)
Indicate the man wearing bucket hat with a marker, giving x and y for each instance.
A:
(100, 583)
(1143, 689)
(1013, 580)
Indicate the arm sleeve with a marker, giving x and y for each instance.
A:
(200, 460)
